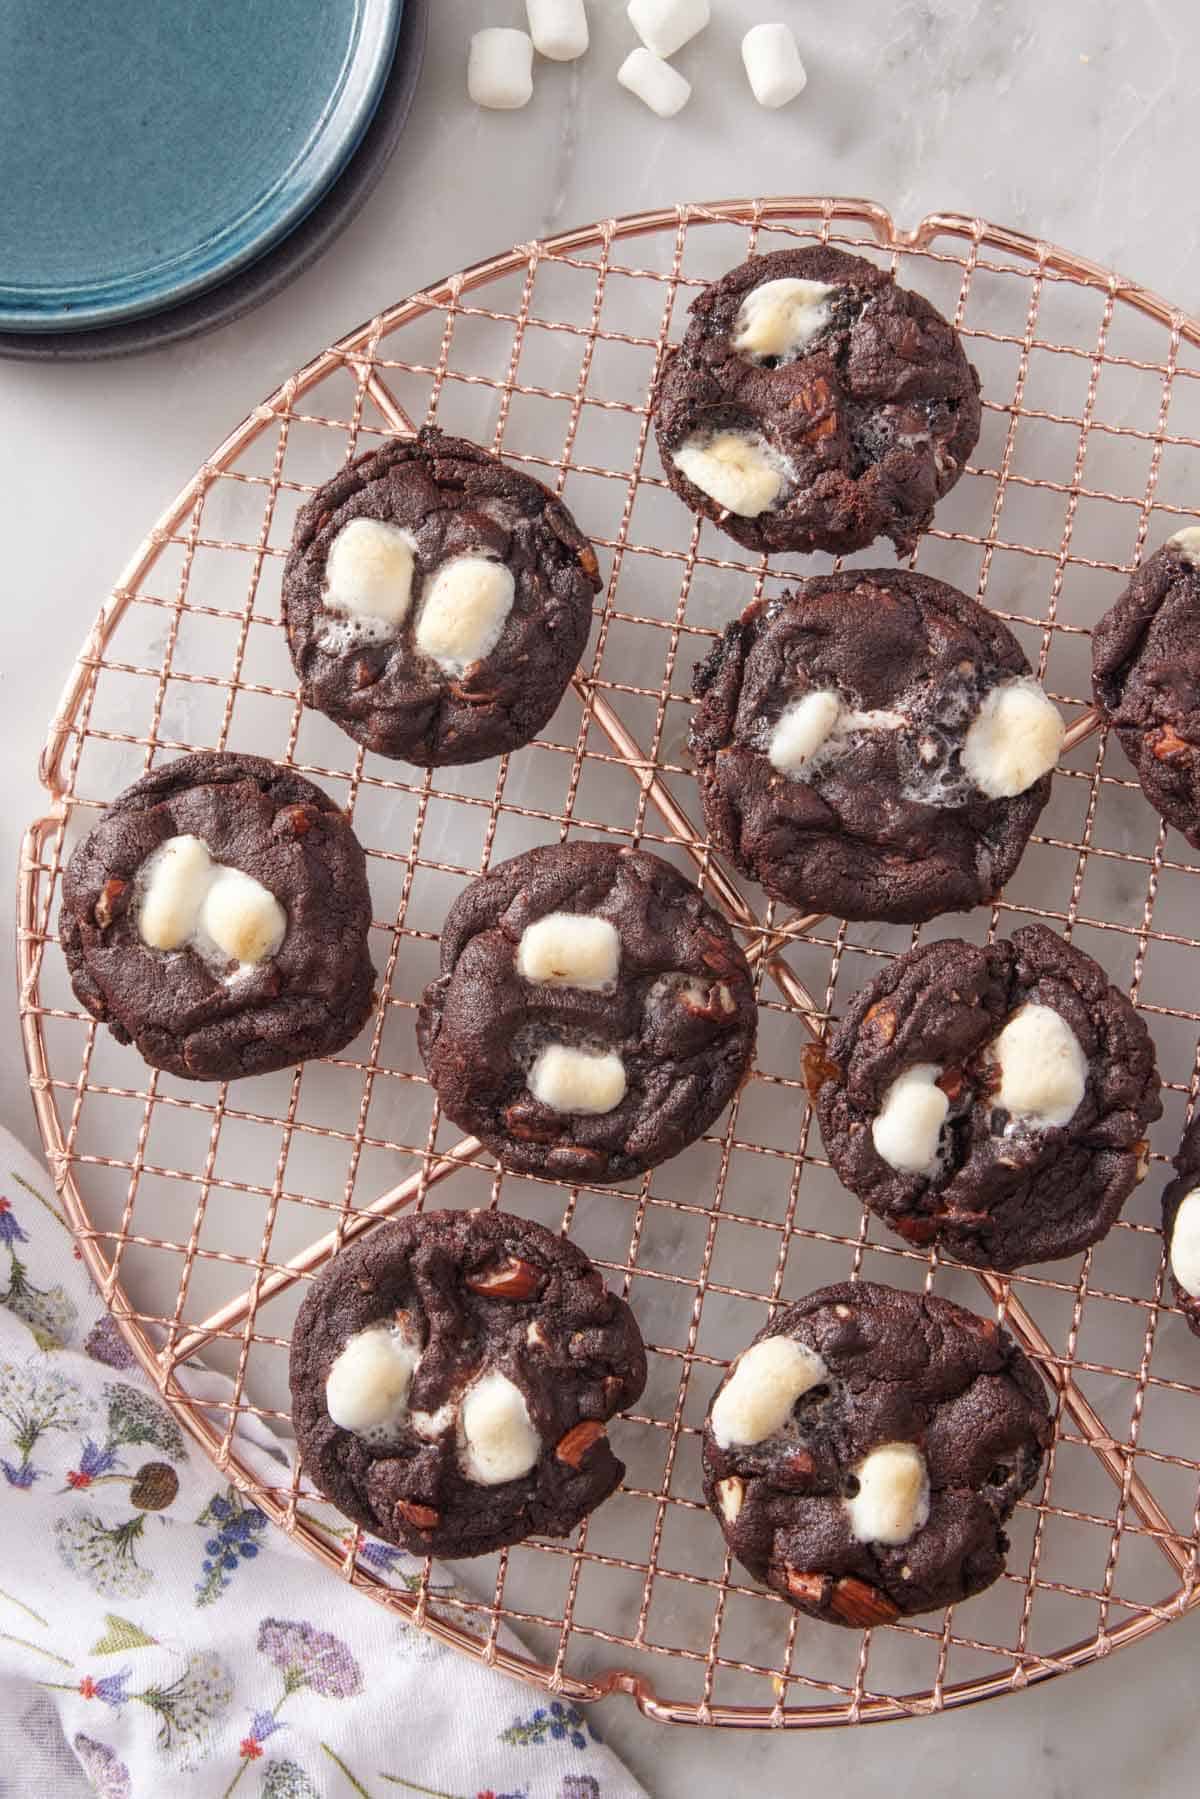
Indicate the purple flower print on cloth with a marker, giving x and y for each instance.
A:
(10, 1230)
(49, 1312)
(236, 1539)
(109, 1689)
(553, 1723)
(104, 1768)
(104, 1343)
(308, 1657)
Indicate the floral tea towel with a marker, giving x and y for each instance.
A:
(159, 1637)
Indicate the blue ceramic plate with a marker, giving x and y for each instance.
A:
(151, 148)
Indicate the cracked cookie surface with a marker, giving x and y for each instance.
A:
(1146, 677)
(876, 806)
(992, 1100)
(865, 1451)
(815, 405)
(287, 975)
(593, 1015)
(452, 1374)
(437, 601)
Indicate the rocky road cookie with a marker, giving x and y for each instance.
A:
(437, 601)
(593, 1014)
(864, 1453)
(452, 1374)
(992, 1100)
(1146, 676)
(216, 917)
(873, 745)
(1181, 1226)
(815, 405)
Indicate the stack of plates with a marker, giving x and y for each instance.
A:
(166, 166)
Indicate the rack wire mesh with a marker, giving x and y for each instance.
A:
(202, 1211)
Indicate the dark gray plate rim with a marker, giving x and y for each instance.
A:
(249, 288)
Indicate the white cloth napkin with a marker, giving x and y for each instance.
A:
(158, 1636)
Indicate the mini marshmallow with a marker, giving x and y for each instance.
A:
(369, 571)
(660, 87)
(463, 612)
(175, 879)
(1043, 1070)
(366, 1390)
(500, 68)
(244, 920)
(559, 28)
(802, 729)
(665, 26)
(767, 1380)
(907, 1129)
(570, 949)
(1014, 739)
(1185, 1244)
(497, 1437)
(773, 67)
(780, 319)
(188, 900)
(892, 1501)
(432, 1425)
(577, 1080)
(1187, 542)
(737, 469)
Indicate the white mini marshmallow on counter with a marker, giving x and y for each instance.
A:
(464, 609)
(737, 469)
(660, 87)
(1014, 739)
(187, 899)
(780, 319)
(366, 1390)
(802, 728)
(175, 879)
(665, 26)
(892, 1501)
(773, 66)
(577, 1080)
(369, 571)
(559, 28)
(757, 1398)
(1187, 542)
(1043, 1070)
(570, 949)
(1185, 1244)
(496, 1433)
(907, 1128)
(500, 68)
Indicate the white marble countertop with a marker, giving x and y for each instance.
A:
(1066, 121)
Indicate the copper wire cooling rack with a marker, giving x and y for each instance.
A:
(202, 1211)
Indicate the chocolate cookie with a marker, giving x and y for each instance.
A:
(864, 1453)
(452, 1374)
(217, 916)
(593, 1015)
(872, 745)
(437, 601)
(1146, 677)
(815, 405)
(1181, 1226)
(992, 1100)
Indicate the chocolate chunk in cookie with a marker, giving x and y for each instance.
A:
(1181, 1226)
(593, 1014)
(437, 601)
(217, 916)
(1146, 677)
(873, 745)
(991, 1100)
(815, 405)
(864, 1453)
(452, 1374)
